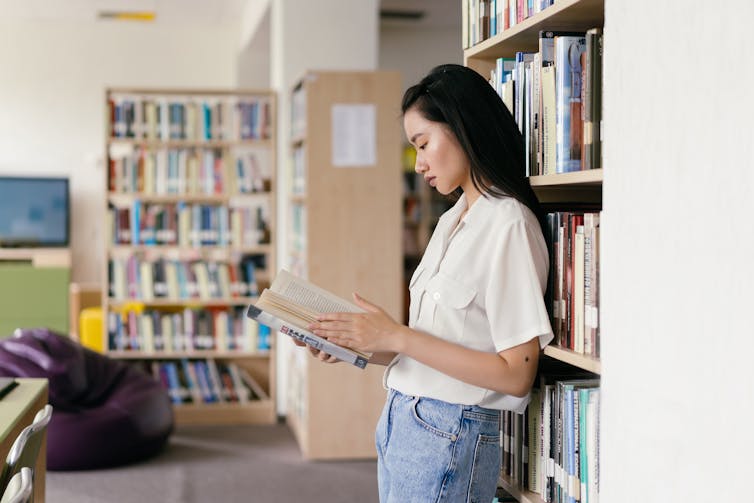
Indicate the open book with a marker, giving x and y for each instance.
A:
(291, 304)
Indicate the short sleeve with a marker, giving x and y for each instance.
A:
(514, 298)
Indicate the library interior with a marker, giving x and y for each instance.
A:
(187, 188)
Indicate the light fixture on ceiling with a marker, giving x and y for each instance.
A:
(142, 16)
(144, 11)
(401, 15)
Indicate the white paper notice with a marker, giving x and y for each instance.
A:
(354, 135)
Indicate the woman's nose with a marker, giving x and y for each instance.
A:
(420, 166)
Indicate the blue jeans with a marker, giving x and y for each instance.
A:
(430, 451)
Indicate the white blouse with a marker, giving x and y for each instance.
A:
(480, 284)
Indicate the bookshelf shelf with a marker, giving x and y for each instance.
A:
(160, 355)
(190, 200)
(576, 359)
(567, 15)
(592, 177)
(191, 250)
(240, 301)
(337, 214)
(521, 495)
(125, 199)
(222, 413)
(573, 200)
(190, 143)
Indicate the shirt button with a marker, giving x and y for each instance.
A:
(436, 296)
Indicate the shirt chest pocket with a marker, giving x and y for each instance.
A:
(450, 301)
(416, 290)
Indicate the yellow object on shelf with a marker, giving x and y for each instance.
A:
(90, 329)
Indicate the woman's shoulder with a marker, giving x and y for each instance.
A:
(509, 210)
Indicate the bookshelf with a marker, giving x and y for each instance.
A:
(189, 226)
(345, 235)
(569, 191)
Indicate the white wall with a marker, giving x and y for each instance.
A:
(52, 89)
(677, 251)
(415, 51)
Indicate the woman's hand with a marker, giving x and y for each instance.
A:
(316, 353)
(372, 331)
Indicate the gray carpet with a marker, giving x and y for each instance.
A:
(222, 464)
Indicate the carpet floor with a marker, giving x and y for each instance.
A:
(203, 464)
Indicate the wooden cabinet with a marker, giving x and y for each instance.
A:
(190, 233)
(345, 236)
(34, 288)
(578, 191)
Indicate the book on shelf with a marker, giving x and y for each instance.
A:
(291, 303)
(568, 50)
(592, 156)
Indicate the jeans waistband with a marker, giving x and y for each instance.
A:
(474, 412)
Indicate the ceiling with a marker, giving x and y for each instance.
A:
(435, 13)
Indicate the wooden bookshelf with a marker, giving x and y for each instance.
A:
(592, 177)
(572, 358)
(195, 171)
(581, 189)
(566, 15)
(521, 495)
(346, 237)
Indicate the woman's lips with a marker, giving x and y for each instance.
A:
(432, 181)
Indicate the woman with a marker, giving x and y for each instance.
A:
(477, 316)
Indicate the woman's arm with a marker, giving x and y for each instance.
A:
(510, 372)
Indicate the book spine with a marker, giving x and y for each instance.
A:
(307, 338)
(568, 50)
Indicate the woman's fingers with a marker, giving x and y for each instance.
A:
(365, 304)
(322, 356)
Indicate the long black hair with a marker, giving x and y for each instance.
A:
(467, 104)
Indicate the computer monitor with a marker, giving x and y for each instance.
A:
(34, 212)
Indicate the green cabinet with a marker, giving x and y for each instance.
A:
(33, 296)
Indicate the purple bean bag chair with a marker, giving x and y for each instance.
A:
(105, 412)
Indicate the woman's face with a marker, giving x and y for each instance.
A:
(439, 156)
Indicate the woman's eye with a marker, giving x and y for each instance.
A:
(421, 147)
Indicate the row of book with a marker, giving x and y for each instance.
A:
(482, 19)
(195, 118)
(185, 224)
(298, 171)
(136, 277)
(189, 170)
(555, 95)
(298, 112)
(185, 329)
(574, 280)
(298, 245)
(553, 448)
(206, 382)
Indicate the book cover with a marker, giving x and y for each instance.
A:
(547, 129)
(291, 304)
(547, 43)
(593, 99)
(568, 50)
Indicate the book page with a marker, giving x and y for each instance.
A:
(310, 296)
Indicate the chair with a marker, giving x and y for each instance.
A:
(25, 449)
(107, 412)
(20, 488)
